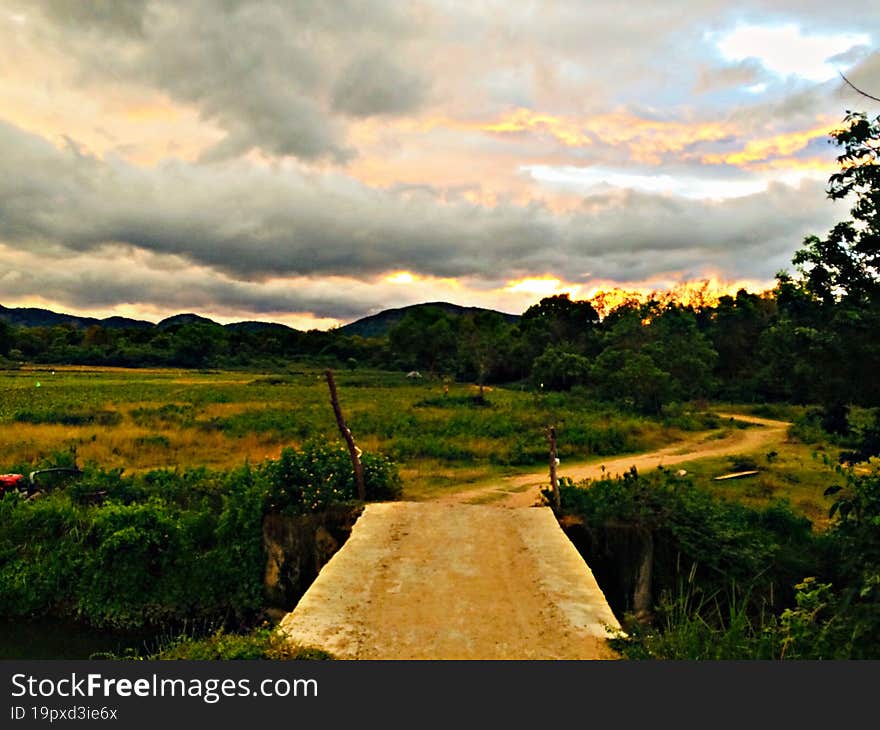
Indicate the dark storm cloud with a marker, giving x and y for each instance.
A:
(247, 73)
(252, 224)
(98, 281)
(117, 16)
(297, 79)
(278, 76)
(374, 85)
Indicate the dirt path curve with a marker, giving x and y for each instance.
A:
(433, 581)
(524, 490)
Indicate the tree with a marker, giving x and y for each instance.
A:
(677, 346)
(845, 266)
(735, 327)
(833, 305)
(5, 338)
(558, 320)
(654, 353)
(424, 338)
(196, 344)
(481, 344)
(558, 369)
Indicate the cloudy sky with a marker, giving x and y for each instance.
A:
(314, 162)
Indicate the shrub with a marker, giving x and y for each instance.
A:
(67, 417)
(316, 476)
(141, 557)
(723, 543)
(744, 595)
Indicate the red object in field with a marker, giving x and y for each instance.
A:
(10, 481)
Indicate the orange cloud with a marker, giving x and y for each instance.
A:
(567, 131)
(780, 145)
(646, 139)
(607, 295)
(393, 151)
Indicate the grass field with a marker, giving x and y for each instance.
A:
(147, 419)
(156, 418)
(792, 472)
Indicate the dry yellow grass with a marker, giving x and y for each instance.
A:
(134, 448)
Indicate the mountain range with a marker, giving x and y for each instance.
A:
(374, 325)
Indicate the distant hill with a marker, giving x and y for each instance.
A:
(124, 323)
(34, 317)
(378, 325)
(253, 327)
(179, 320)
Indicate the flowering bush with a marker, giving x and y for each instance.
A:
(317, 476)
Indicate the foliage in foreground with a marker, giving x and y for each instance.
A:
(162, 547)
(261, 643)
(723, 573)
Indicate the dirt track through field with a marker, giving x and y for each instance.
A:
(524, 490)
(450, 580)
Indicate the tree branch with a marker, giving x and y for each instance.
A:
(863, 93)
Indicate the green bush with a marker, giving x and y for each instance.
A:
(729, 579)
(139, 558)
(67, 417)
(40, 553)
(314, 477)
(715, 544)
(165, 546)
(558, 369)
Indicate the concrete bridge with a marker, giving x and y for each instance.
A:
(427, 580)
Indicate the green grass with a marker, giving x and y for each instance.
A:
(793, 472)
(692, 626)
(261, 643)
(149, 419)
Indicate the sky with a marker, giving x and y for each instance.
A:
(311, 163)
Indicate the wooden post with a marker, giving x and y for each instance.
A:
(554, 482)
(353, 450)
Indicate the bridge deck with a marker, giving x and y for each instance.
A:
(455, 581)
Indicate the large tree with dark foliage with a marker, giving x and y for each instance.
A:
(5, 338)
(830, 311)
(845, 265)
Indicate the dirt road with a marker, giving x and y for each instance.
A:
(524, 490)
(434, 581)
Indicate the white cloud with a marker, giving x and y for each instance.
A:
(787, 50)
(595, 179)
